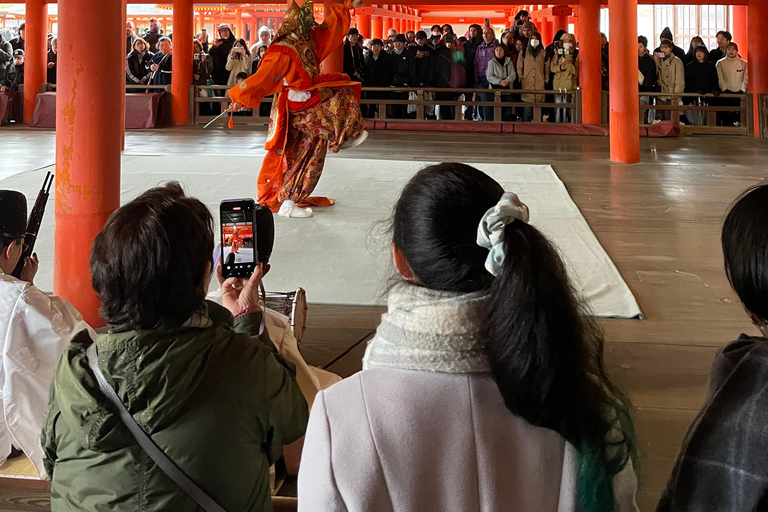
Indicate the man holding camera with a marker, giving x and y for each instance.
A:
(35, 328)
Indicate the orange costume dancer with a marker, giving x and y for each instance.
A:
(311, 112)
(235, 241)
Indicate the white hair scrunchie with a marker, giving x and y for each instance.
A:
(490, 232)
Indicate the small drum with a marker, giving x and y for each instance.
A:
(294, 306)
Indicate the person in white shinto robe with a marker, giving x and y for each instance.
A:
(35, 328)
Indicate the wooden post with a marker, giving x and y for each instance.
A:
(36, 53)
(181, 78)
(590, 65)
(625, 100)
(87, 143)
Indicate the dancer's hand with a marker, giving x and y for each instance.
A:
(235, 107)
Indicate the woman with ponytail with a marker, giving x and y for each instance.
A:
(484, 388)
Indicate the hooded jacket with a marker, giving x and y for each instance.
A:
(676, 50)
(219, 55)
(701, 77)
(565, 77)
(215, 398)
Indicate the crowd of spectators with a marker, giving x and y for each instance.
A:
(444, 60)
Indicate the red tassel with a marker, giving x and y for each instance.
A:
(231, 123)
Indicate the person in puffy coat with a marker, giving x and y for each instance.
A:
(530, 70)
(501, 75)
(239, 61)
(203, 381)
(565, 74)
(701, 78)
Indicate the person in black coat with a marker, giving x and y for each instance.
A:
(153, 35)
(701, 78)
(378, 73)
(353, 56)
(724, 38)
(443, 67)
(648, 73)
(423, 54)
(404, 73)
(19, 42)
(219, 53)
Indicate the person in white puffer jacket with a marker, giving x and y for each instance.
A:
(733, 75)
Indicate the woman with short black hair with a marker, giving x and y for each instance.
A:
(484, 387)
(723, 462)
(203, 381)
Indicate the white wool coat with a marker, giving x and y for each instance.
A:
(391, 440)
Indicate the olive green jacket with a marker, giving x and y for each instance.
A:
(218, 400)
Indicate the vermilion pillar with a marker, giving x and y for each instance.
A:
(364, 24)
(377, 27)
(740, 30)
(36, 50)
(124, 12)
(181, 78)
(546, 32)
(87, 143)
(334, 63)
(388, 24)
(757, 27)
(625, 100)
(560, 22)
(590, 67)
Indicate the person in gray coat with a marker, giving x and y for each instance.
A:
(501, 75)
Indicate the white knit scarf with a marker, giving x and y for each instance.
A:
(430, 330)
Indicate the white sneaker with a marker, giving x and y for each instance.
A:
(356, 141)
(294, 212)
(655, 121)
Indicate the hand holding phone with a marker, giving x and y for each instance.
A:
(238, 238)
(239, 294)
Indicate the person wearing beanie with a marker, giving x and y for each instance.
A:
(678, 52)
(35, 329)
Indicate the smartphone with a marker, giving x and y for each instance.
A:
(239, 254)
(659, 55)
(487, 21)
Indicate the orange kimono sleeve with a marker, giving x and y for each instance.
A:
(267, 80)
(330, 35)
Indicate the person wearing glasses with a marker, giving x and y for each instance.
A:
(35, 328)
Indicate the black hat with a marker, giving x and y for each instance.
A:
(353, 32)
(18, 53)
(13, 214)
(400, 38)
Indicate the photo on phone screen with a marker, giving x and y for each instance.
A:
(238, 238)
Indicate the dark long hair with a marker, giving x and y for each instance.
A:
(745, 249)
(545, 351)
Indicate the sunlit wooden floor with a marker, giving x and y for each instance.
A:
(659, 221)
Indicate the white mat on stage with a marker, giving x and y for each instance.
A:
(341, 256)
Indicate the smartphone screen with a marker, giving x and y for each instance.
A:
(238, 238)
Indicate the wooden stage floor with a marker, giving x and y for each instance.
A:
(659, 221)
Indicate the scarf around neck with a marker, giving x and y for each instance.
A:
(430, 330)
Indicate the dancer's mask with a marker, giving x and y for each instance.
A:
(299, 20)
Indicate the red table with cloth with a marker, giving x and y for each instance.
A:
(141, 110)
